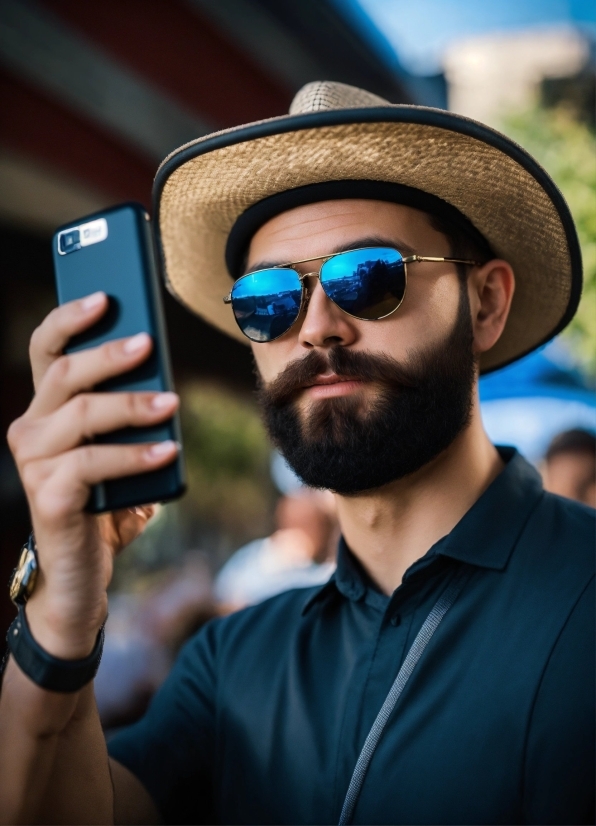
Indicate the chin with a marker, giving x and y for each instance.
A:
(320, 416)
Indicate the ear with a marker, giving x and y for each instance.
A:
(491, 289)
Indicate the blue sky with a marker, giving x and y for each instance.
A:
(420, 30)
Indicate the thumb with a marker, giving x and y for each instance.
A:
(121, 527)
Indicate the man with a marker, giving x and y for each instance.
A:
(379, 245)
(570, 466)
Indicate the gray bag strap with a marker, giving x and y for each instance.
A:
(430, 625)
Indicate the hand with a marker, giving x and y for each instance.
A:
(58, 465)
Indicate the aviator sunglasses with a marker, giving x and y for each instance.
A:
(368, 284)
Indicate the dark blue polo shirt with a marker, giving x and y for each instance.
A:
(264, 714)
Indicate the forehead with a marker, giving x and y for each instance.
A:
(317, 229)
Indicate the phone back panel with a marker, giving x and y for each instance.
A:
(123, 266)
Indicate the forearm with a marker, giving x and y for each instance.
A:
(53, 758)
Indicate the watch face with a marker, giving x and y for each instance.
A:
(23, 579)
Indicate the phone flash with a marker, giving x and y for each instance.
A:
(84, 235)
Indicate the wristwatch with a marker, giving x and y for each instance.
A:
(49, 672)
(24, 576)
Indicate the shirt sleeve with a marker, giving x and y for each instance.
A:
(559, 767)
(171, 749)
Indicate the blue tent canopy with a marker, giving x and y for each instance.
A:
(531, 401)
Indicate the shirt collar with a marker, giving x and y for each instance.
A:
(485, 536)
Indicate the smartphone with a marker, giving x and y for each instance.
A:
(113, 251)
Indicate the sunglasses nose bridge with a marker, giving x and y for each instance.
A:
(306, 287)
(313, 274)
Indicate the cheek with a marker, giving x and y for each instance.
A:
(426, 317)
(439, 303)
(271, 358)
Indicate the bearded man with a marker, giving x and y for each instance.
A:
(378, 259)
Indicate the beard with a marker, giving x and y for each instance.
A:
(355, 443)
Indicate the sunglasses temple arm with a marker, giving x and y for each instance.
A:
(412, 259)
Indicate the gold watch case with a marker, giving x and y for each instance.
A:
(24, 576)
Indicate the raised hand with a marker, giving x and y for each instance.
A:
(58, 463)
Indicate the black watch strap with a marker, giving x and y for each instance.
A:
(50, 672)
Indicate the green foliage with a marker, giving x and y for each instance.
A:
(566, 148)
(227, 456)
(230, 497)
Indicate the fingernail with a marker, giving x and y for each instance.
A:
(160, 449)
(163, 400)
(92, 301)
(136, 343)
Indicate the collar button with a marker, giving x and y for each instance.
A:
(395, 620)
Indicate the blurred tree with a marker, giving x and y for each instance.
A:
(566, 148)
(227, 457)
(230, 497)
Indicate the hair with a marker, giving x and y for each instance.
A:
(572, 441)
(461, 243)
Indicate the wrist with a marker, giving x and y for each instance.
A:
(44, 669)
(60, 631)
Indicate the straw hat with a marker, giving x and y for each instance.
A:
(212, 193)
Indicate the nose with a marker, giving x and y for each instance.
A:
(324, 324)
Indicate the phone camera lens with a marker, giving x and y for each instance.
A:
(70, 241)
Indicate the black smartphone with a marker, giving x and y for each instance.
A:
(113, 251)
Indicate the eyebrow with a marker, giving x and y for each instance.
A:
(358, 243)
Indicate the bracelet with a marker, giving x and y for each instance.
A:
(51, 673)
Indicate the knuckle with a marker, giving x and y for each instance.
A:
(15, 434)
(82, 458)
(111, 351)
(59, 370)
(141, 454)
(135, 455)
(80, 412)
(31, 476)
(134, 406)
(80, 406)
(22, 439)
(39, 335)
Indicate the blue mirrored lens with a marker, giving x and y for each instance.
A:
(368, 283)
(266, 303)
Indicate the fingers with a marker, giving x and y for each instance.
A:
(87, 415)
(96, 463)
(128, 523)
(60, 486)
(69, 375)
(51, 337)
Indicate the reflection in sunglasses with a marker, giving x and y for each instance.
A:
(367, 284)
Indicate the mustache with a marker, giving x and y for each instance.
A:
(349, 364)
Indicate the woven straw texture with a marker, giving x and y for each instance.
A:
(203, 197)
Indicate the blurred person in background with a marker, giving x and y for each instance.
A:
(569, 467)
(377, 258)
(145, 632)
(300, 553)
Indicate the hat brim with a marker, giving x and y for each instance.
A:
(202, 188)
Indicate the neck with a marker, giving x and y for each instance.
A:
(391, 527)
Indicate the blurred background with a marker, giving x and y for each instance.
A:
(93, 96)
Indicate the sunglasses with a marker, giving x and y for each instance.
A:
(368, 284)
